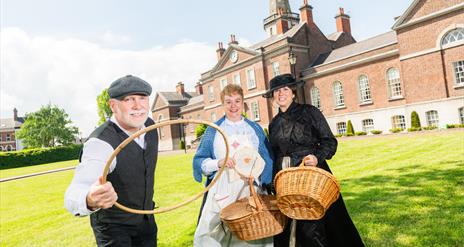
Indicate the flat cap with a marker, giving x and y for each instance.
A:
(128, 85)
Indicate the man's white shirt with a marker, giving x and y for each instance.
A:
(94, 157)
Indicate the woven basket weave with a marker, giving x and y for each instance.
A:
(305, 192)
(255, 217)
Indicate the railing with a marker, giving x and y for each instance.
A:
(272, 17)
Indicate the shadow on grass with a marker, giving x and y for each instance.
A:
(414, 206)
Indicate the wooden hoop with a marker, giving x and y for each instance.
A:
(149, 128)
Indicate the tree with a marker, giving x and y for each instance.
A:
(415, 121)
(104, 110)
(350, 129)
(47, 127)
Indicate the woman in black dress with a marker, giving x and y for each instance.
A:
(301, 132)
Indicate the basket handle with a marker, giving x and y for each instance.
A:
(152, 127)
(254, 195)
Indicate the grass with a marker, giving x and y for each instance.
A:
(400, 190)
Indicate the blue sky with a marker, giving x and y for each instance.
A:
(70, 50)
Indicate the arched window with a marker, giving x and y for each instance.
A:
(453, 36)
(432, 118)
(9, 148)
(315, 97)
(394, 83)
(364, 89)
(338, 94)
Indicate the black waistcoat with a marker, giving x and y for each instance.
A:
(133, 176)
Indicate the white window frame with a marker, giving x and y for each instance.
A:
(251, 78)
(339, 98)
(341, 128)
(8, 137)
(315, 97)
(461, 115)
(452, 36)
(364, 89)
(432, 118)
(213, 116)
(223, 83)
(394, 83)
(458, 68)
(368, 125)
(210, 93)
(161, 132)
(254, 109)
(275, 69)
(192, 125)
(398, 122)
(236, 79)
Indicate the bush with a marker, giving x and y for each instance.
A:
(452, 126)
(200, 130)
(429, 128)
(349, 129)
(376, 132)
(396, 130)
(266, 132)
(360, 133)
(37, 156)
(412, 129)
(338, 135)
(182, 144)
(415, 121)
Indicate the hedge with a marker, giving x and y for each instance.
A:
(38, 156)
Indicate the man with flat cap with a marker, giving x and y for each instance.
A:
(131, 174)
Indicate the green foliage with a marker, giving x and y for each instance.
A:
(360, 133)
(338, 135)
(376, 132)
(200, 130)
(266, 132)
(182, 144)
(47, 127)
(104, 110)
(451, 126)
(429, 127)
(415, 121)
(37, 156)
(349, 129)
(396, 130)
(412, 129)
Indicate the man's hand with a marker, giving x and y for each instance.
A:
(310, 160)
(101, 195)
(230, 163)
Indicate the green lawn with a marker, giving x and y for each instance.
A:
(401, 190)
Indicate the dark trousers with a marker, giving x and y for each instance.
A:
(143, 234)
(309, 233)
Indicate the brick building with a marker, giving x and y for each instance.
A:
(8, 129)
(375, 83)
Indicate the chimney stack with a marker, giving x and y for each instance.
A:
(220, 51)
(282, 25)
(343, 22)
(180, 88)
(233, 40)
(306, 13)
(15, 114)
(199, 88)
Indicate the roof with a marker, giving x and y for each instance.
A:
(9, 123)
(278, 37)
(194, 102)
(174, 98)
(334, 36)
(357, 48)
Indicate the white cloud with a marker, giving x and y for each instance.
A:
(70, 73)
(111, 39)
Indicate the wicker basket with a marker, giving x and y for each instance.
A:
(255, 217)
(305, 192)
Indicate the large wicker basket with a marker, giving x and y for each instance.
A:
(255, 217)
(305, 192)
